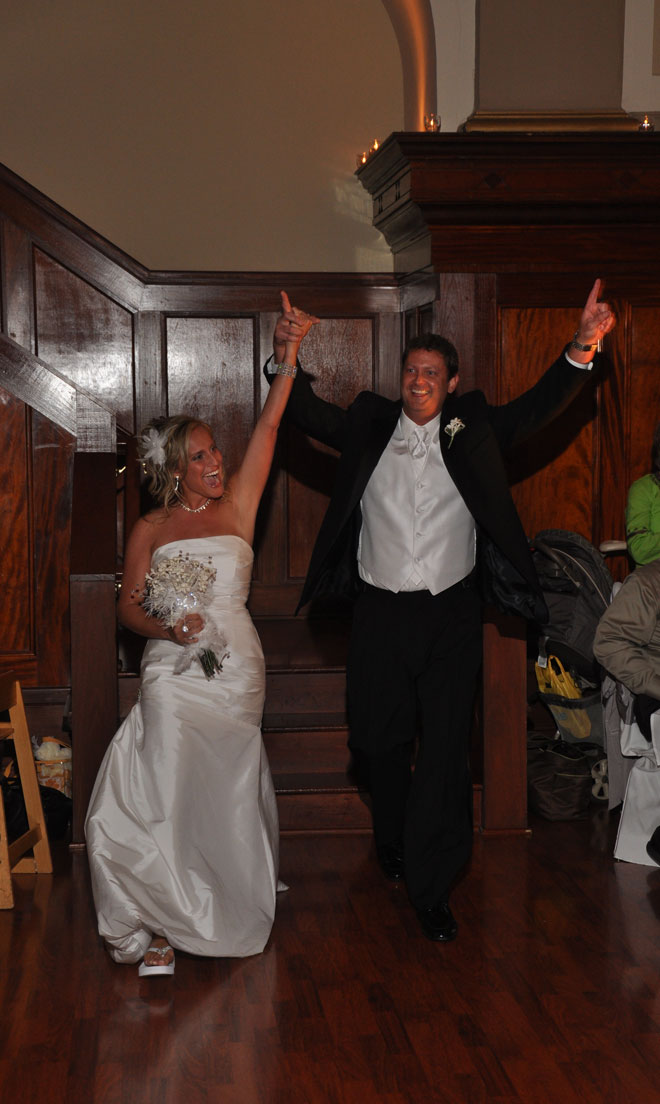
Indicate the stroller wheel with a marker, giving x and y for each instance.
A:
(600, 789)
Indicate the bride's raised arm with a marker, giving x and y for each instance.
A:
(247, 485)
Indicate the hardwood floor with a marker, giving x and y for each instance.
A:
(549, 994)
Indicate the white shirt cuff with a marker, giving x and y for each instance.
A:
(576, 363)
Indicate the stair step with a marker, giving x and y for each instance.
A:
(334, 810)
(323, 812)
(318, 782)
(312, 721)
(313, 750)
(303, 643)
(298, 691)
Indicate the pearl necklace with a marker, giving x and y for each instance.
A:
(189, 509)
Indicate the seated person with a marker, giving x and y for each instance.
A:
(643, 511)
(627, 644)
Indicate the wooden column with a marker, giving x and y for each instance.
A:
(94, 705)
(504, 800)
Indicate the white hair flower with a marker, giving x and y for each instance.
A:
(152, 445)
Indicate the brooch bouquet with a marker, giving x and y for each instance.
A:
(175, 587)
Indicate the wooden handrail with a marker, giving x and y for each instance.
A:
(34, 382)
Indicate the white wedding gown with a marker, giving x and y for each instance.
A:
(182, 829)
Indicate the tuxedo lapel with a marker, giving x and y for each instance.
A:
(357, 462)
(378, 434)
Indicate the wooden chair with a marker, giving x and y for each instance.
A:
(36, 837)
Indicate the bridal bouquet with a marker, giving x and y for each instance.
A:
(178, 586)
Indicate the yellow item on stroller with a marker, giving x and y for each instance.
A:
(556, 683)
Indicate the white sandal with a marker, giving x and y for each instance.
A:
(164, 968)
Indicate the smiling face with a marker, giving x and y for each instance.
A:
(204, 476)
(425, 384)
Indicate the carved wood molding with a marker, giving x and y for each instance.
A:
(508, 202)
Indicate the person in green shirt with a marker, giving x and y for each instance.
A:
(643, 511)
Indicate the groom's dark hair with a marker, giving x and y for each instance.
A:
(434, 343)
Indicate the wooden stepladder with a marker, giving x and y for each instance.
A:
(36, 838)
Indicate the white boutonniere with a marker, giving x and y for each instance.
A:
(452, 428)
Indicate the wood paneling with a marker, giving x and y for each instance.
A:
(644, 387)
(211, 376)
(52, 467)
(553, 474)
(34, 566)
(85, 335)
(16, 563)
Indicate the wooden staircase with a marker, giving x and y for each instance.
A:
(305, 730)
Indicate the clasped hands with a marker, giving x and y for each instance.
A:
(291, 327)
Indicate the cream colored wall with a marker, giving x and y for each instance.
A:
(559, 56)
(206, 135)
(641, 65)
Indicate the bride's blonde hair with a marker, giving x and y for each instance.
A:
(163, 449)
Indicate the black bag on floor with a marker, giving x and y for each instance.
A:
(560, 783)
(57, 809)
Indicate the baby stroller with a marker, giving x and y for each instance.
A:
(577, 587)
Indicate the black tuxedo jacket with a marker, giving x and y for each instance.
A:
(474, 461)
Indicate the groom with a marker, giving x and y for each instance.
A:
(420, 487)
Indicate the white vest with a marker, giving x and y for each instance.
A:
(417, 533)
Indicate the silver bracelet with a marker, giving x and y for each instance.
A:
(286, 370)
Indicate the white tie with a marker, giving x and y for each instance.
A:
(418, 443)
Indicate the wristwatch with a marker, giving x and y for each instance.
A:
(583, 348)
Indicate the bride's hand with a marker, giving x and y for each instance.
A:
(185, 631)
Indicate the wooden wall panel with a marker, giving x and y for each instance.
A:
(553, 475)
(86, 336)
(52, 469)
(210, 375)
(16, 561)
(339, 353)
(644, 385)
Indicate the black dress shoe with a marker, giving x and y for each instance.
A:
(390, 857)
(438, 923)
(653, 847)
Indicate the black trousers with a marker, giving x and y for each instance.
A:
(412, 669)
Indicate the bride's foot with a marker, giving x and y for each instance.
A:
(158, 958)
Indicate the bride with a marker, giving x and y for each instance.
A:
(182, 830)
